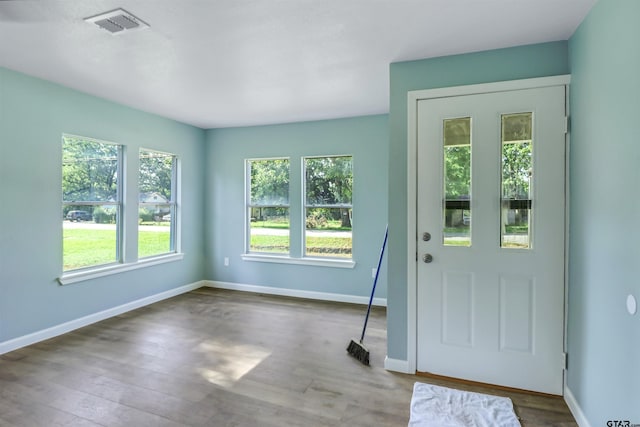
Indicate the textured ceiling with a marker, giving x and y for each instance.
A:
(245, 62)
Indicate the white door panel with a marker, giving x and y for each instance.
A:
(490, 303)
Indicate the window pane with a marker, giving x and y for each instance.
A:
(328, 206)
(328, 180)
(457, 182)
(517, 173)
(269, 230)
(269, 182)
(156, 176)
(156, 209)
(268, 206)
(89, 170)
(89, 236)
(154, 229)
(328, 232)
(91, 202)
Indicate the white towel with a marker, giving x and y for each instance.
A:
(434, 406)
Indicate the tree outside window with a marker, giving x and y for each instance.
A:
(91, 202)
(517, 176)
(328, 206)
(268, 205)
(157, 213)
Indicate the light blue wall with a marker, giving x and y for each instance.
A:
(523, 62)
(33, 115)
(366, 138)
(603, 340)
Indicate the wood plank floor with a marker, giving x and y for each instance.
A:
(222, 358)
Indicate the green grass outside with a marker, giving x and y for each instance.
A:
(460, 242)
(516, 229)
(329, 246)
(86, 247)
(161, 223)
(280, 225)
(153, 243)
(332, 225)
(456, 242)
(316, 246)
(509, 229)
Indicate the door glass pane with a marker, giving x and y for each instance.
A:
(517, 174)
(456, 229)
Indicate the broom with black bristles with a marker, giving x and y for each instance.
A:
(357, 349)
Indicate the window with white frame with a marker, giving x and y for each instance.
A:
(328, 206)
(268, 206)
(157, 206)
(91, 202)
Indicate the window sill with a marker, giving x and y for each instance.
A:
(318, 262)
(94, 273)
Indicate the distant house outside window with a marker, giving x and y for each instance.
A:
(268, 206)
(91, 202)
(328, 207)
(157, 206)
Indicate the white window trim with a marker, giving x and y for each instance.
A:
(103, 270)
(318, 262)
(111, 269)
(286, 258)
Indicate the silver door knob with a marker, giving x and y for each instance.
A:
(426, 236)
(427, 258)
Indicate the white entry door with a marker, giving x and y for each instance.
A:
(491, 229)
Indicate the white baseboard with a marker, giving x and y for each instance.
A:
(397, 365)
(71, 325)
(575, 409)
(324, 296)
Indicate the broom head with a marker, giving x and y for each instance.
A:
(360, 352)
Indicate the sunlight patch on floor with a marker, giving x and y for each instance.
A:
(229, 362)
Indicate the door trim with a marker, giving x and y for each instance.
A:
(412, 184)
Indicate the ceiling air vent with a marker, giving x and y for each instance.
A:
(117, 21)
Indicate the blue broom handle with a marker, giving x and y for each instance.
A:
(375, 282)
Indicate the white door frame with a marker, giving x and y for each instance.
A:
(412, 187)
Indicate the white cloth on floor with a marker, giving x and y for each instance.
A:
(434, 406)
